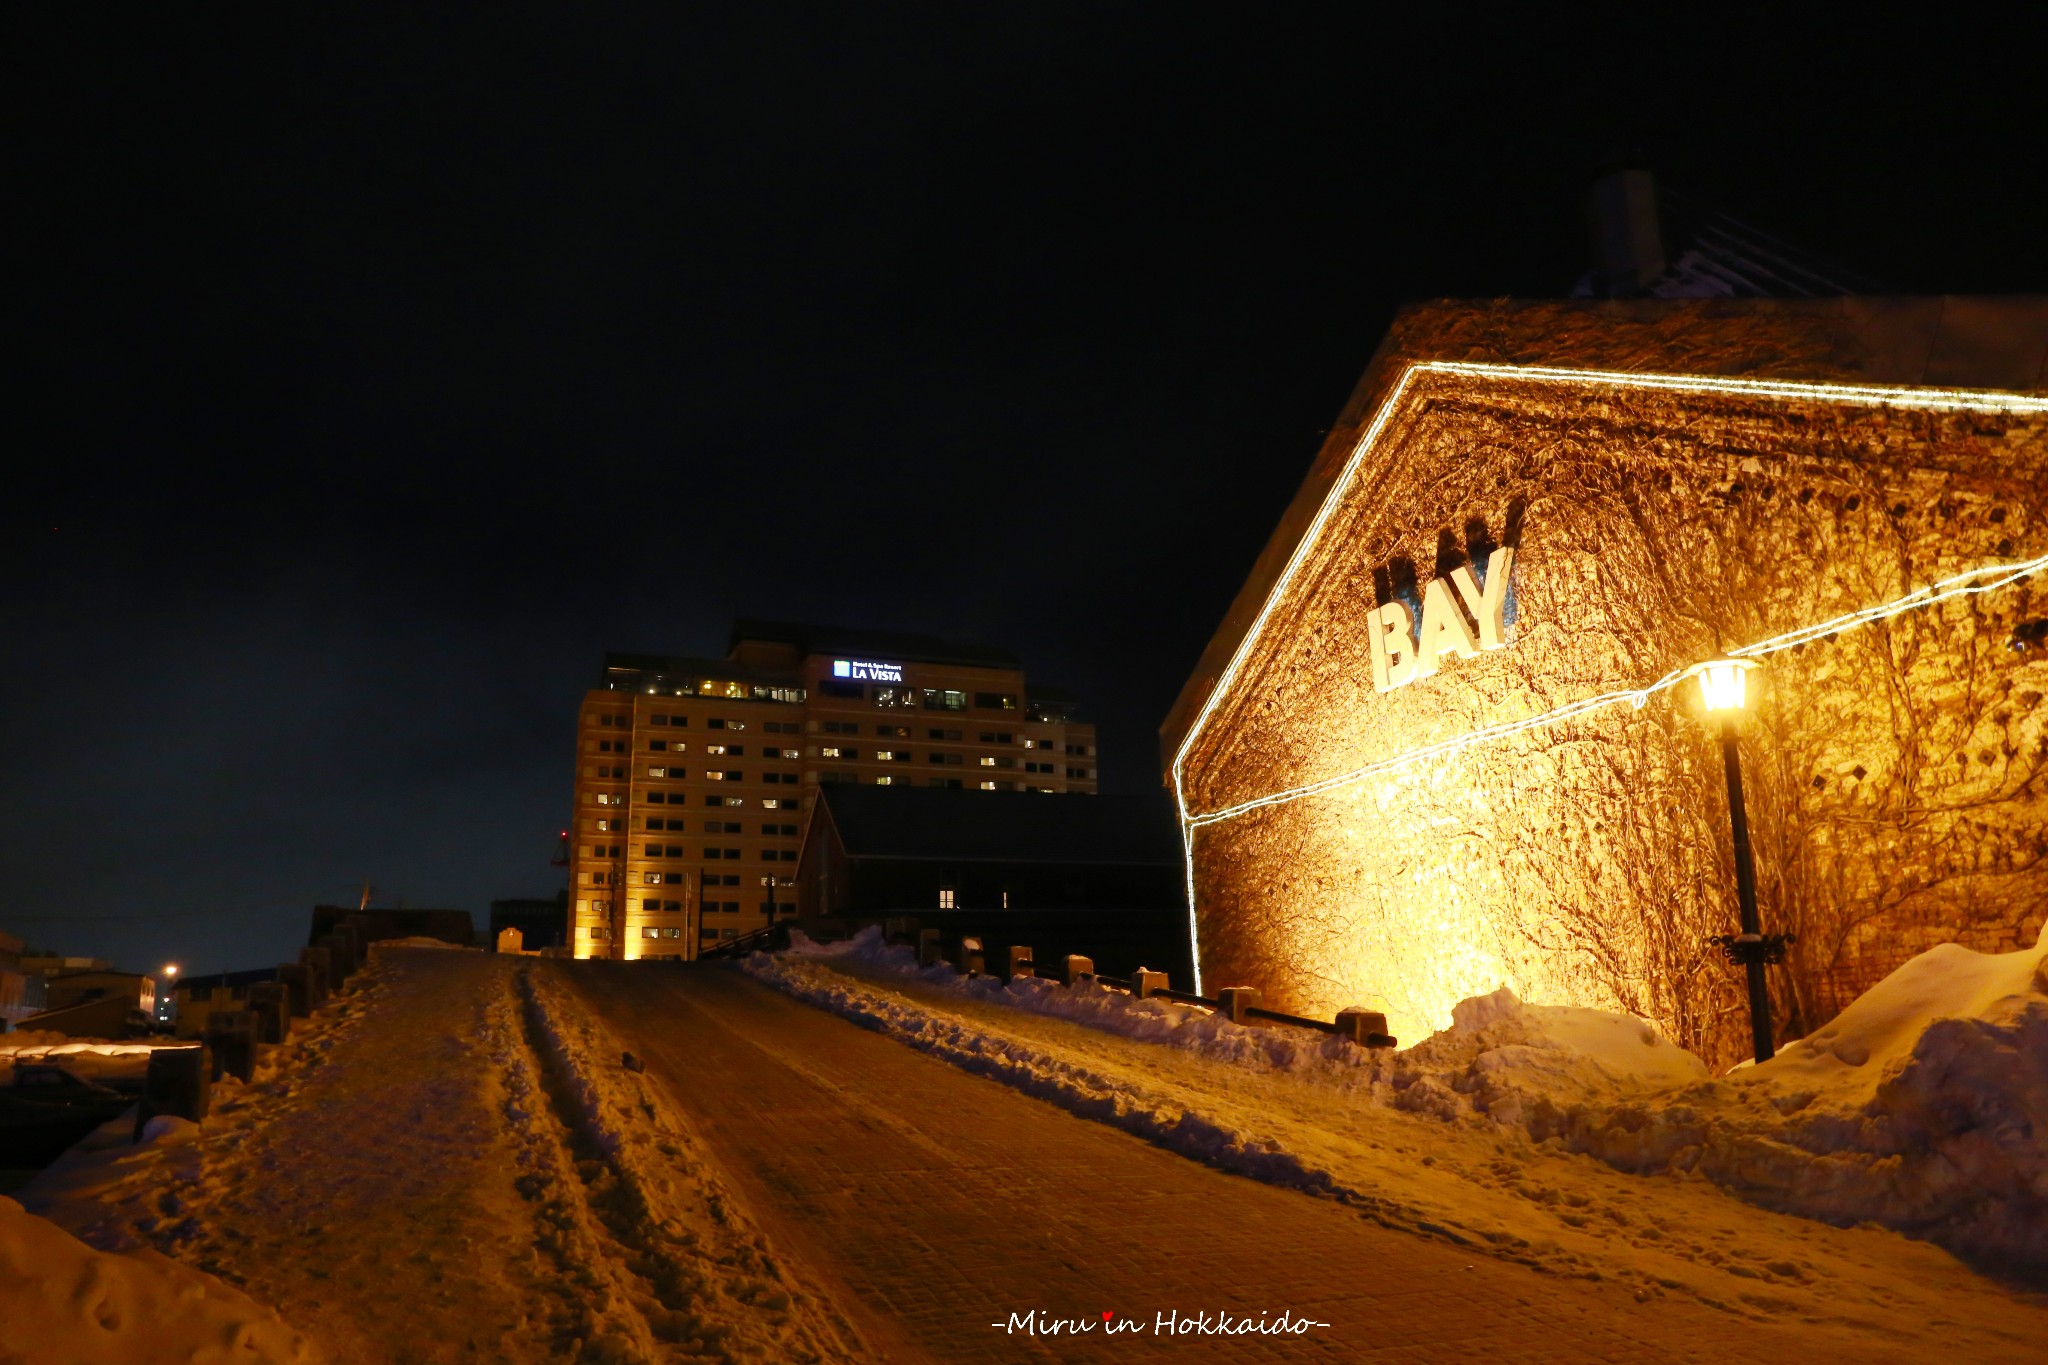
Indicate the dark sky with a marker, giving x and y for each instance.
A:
(377, 374)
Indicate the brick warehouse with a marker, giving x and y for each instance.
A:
(1797, 462)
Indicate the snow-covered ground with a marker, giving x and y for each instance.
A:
(60, 1300)
(448, 1162)
(1920, 1109)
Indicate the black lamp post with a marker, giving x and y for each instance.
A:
(1724, 686)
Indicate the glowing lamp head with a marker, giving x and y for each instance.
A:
(1724, 684)
(170, 969)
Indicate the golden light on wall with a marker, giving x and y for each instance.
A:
(1452, 752)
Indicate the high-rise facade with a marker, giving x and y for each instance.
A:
(694, 776)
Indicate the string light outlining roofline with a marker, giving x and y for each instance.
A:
(1866, 395)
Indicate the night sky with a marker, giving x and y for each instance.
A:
(375, 378)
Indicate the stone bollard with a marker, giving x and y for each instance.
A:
(179, 1082)
(319, 973)
(355, 944)
(928, 950)
(1367, 1028)
(231, 1034)
(271, 1003)
(341, 963)
(972, 960)
(1144, 982)
(1018, 962)
(1077, 967)
(292, 976)
(1233, 1001)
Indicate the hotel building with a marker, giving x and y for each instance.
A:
(694, 777)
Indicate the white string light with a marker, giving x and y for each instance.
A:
(1975, 581)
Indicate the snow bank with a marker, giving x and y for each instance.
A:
(1922, 1107)
(62, 1301)
(89, 1059)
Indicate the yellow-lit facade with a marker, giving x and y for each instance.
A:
(694, 777)
(1548, 814)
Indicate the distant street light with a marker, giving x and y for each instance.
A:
(1724, 685)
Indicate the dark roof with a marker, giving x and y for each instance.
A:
(956, 825)
(241, 980)
(893, 645)
(693, 669)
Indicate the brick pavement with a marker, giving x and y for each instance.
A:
(940, 1202)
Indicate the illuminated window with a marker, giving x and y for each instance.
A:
(657, 772)
(887, 755)
(944, 699)
(895, 697)
(725, 801)
(884, 780)
(946, 898)
(988, 786)
(995, 701)
(893, 731)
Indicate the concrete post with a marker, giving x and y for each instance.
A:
(1367, 1028)
(1144, 982)
(972, 960)
(355, 945)
(319, 967)
(179, 1082)
(292, 976)
(1077, 967)
(1018, 962)
(340, 962)
(270, 1002)
(1232, 1001)
(928, 950)
(231, 1034)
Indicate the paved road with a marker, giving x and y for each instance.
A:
(941, 1203)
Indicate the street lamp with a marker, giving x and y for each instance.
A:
(1724, 686)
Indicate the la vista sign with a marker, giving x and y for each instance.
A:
(1400, 655)
(865, 670)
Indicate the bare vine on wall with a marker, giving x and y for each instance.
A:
(1895, 773)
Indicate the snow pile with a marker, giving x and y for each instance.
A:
(1923, 1107)
(88, 1059)
(1515, 1061)
(62, 1301)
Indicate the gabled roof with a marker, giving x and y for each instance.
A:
(1959, 342)
(955, 825)
(896, 645)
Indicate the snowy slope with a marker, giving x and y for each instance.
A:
(1471, 1134)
